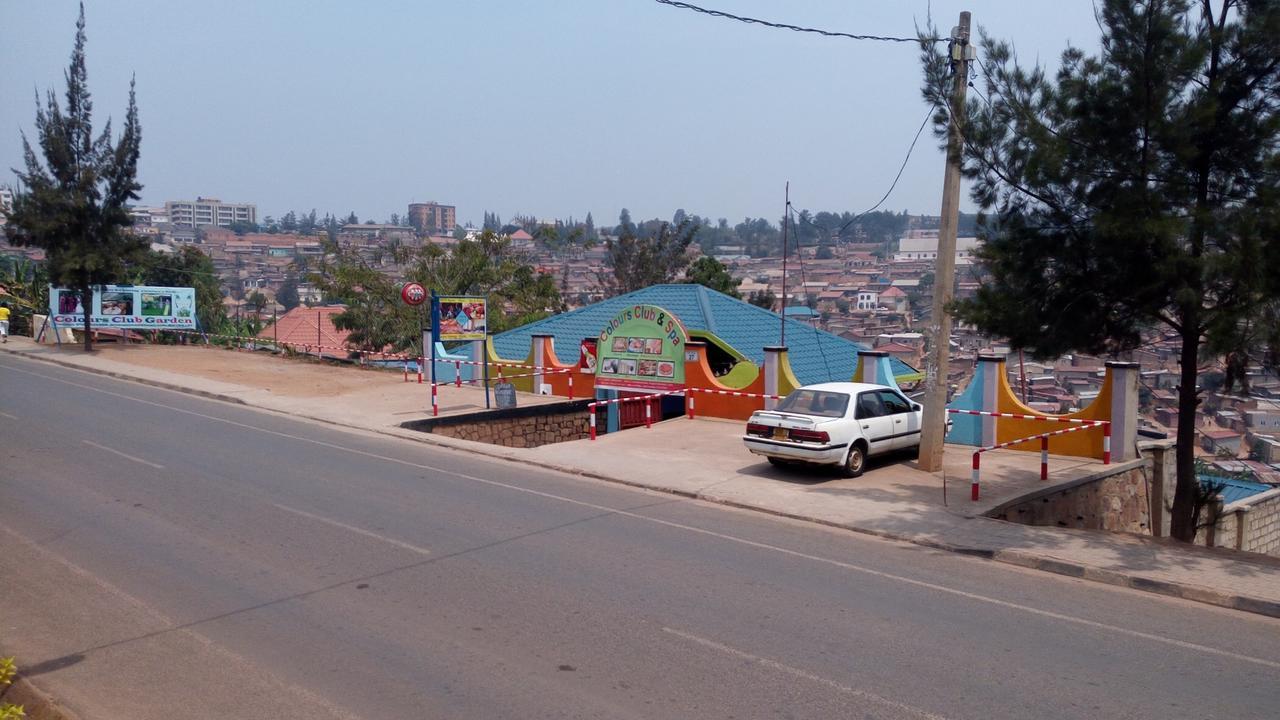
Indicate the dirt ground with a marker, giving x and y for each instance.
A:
(286, 376)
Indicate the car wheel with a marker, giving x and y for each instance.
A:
(855, 462)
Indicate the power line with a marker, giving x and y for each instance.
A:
(796, 28)
(911, 148)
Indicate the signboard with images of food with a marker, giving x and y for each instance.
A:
(140, 307)
(463, 318)
(642, 348)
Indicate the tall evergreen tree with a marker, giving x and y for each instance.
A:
(74, 203)
(1139, 188)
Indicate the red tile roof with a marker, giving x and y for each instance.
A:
(298, 328)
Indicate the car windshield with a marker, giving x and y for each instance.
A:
(815, 402)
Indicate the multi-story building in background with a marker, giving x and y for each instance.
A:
(433, 217)
(209, 211)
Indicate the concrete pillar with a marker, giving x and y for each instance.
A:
(773, 357)
(992, 369)
(1163, 482)
(871, 367)
(543, 351)
(1124, 409)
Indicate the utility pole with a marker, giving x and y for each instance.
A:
(786, 213)
(939, 331)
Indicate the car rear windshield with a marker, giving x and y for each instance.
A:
(815, 402)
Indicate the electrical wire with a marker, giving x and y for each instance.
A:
(817, 336)
(796, 28)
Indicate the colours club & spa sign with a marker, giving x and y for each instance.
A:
(642, 348)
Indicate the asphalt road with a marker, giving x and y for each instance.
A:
(170, 557)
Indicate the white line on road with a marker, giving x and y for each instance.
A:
(701, 531)
(126, 456)
(354, 529)
(11, 417)
(797, 672)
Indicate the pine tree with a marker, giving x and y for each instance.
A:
(74, 204)
(1139, 188)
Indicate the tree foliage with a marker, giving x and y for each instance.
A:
(1134, 189)
(713, 274)
(640, 256)
(187, 267)
(488, 266)
(74, 202)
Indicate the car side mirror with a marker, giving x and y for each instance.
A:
(915, 407)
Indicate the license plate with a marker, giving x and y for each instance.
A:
(779, 433)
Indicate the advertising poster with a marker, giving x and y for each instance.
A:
(139, 307)
(463, 318)
(642, 348)
(587, 356)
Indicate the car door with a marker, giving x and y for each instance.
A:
(874, 422)
(906, 429)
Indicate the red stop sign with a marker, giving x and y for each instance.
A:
(413, 293)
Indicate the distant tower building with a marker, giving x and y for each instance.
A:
(209, 211)
(433, 217)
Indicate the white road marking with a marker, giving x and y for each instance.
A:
(126, 456)
(710, 533)
(797, 672)
(354, 529)
(11, 417)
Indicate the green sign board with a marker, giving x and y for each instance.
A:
(642, 348)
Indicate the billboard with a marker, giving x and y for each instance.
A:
(642, 348)
(462, 318)
(140, 307)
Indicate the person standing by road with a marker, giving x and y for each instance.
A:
(4, 323)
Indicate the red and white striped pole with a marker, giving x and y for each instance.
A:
(1106, 444)
(648, 414)
(973, 488)
(570, 385)
(1044, 458)
(457, 374)
(406, 371)
(419, 371)
(435, 405)
(689, 403)
(592, 421)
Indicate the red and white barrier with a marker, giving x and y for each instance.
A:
(1044, 451)
(647, 399)
(690, 408)
(1104, 424)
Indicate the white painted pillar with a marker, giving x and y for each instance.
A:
(991, 368)
(1124, 409)
(543, 349)
(772, 372)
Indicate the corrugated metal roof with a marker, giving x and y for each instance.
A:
(816, 355)
(1235, 490)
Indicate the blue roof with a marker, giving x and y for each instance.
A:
(800, 311)
(1235, 490)
(816, 355)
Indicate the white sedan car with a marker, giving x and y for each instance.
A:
(837, 423)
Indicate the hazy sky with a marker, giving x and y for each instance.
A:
(550, 108)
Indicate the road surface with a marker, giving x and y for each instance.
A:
(166, 556)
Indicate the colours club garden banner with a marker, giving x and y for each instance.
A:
(139, 307)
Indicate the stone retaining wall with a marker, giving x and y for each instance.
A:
(1252, 524)
(524, 427)
(1115, 503)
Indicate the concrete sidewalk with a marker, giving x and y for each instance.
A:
(704, 459)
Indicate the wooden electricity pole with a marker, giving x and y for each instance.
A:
(939, 331)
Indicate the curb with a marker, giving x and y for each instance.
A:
(35, 703)
(1020, 558)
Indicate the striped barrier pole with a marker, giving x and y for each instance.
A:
(973, 486)
(1106, 444)
(592, 420)
(570, 385)
(457, 374)
(690, 408)
(435, 404)
(419, 371)
(648, 414)
(1044, 458)
(406, 371)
